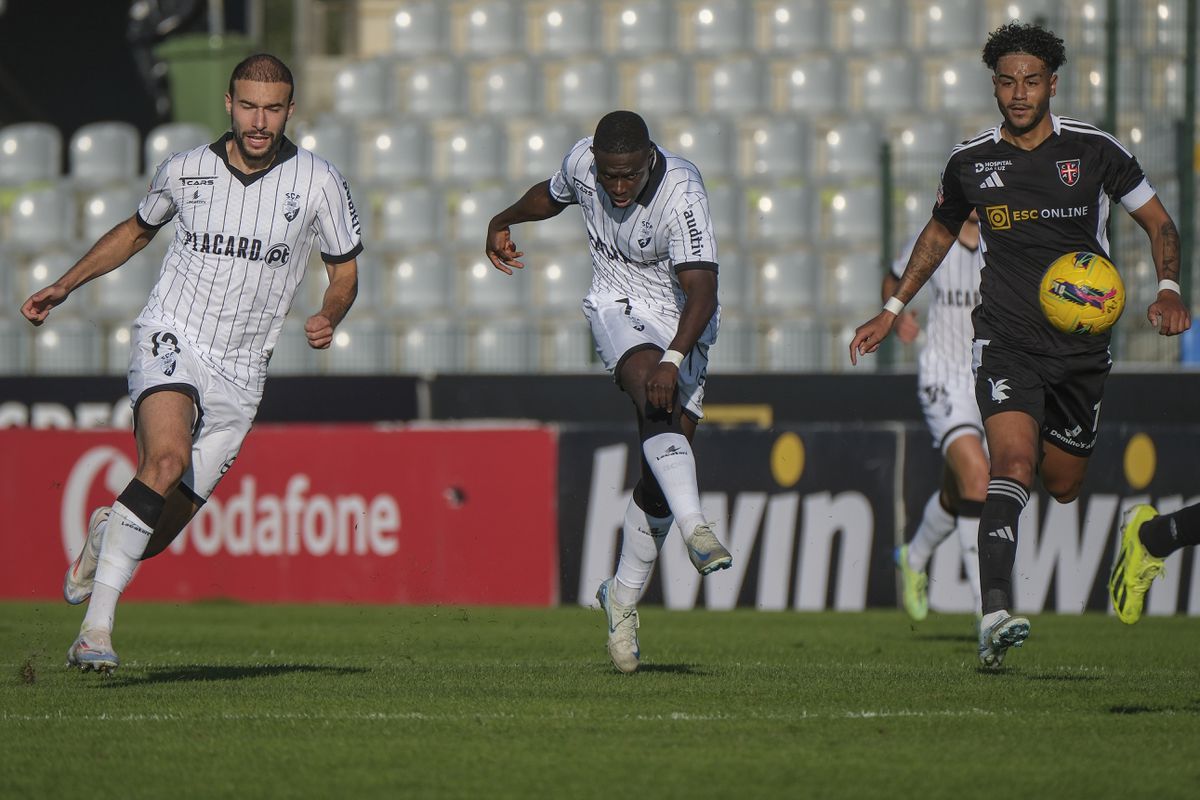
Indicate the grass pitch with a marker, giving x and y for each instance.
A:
(230, 700)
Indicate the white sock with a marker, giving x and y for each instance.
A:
(968, 536)
(125, 540)
(641, 538)
(670, 458)
(936, 524)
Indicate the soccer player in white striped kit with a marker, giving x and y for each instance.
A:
(248, 209)
(654, 314)
(946, 389)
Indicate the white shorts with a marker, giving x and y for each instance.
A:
(619, 326)
(951, 411)
(160, 359)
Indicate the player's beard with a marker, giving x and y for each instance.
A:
(1039, 113)
(251, 160)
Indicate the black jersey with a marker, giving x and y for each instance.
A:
(1034, 206)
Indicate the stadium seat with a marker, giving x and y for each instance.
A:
(334, 140)
(537, 147)
(713, 26)
(961, 85)
(875, 25)
(420, 281)
(911, 208)
(733, 85)
(565, 28)
(431, 346)
(1154, 141)
(470, 210)
(1084, 90)
(480, 24)
(811, 84)
(567, 346)
(852, 280)
(359, 347)
(952, 25)
(708, 142)
(434, 88)
(562, 278)
(791, 26)
(15, 353)
(364, 89)
(725, 201)
(504, 345)
(170, 138)
(640, 27)
(27, 275)
(1159, 87)
(732, 281)
(790, 345)
(778, 213)
(506, 87)
(470, 150)
(735, 346)
(29, 151)
(561, 231)
(1165, 23)
(410, 216)
(788, 280)
(851, 148)
(920, 146)
(116, 347)
(775, 147)
(420, 28)
(397, 152)
(1089, 19)
(105, 152)
(40, 217)
(104, 208)
(486, 290)
(1040, 12)
(888, 84)
(121, 294)
(662, 84)
(584, 87)
(68, 346)
(292, 355)
(853, 214)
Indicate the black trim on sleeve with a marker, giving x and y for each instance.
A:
(147, 225)
(353, 254)
(711, 266)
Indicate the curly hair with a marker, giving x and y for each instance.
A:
(1018, 37)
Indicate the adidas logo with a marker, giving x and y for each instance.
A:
(1003, 533)
(992, 181)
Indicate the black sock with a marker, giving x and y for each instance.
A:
(998, 541)
(144, 502)
(1166, 534)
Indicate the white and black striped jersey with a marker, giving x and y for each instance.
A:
(637, 250)
(1034, 206)
(946, 358)
(241, 247)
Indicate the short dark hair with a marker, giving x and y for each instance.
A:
(263, 68)
(1027, 38)
(621, 132)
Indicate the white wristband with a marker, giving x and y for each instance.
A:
(672, 357)
(894, 305)
(1167, 283)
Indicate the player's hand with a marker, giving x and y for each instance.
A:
(907, 327)
(870, 335)
(1169, 314)
(38, 306)
(660, 388)
(501, 250)
(319, 331)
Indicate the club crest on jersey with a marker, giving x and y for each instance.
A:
(1068, 171)
(647, 234)
(291, 206)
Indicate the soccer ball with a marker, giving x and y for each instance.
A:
(1082, 293)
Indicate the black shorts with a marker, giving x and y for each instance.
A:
(1062, 393)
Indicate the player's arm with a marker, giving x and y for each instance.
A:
(1167, 312)
(339, 296)
(907, 327)
(700, 286)
(928, 252)
(536, 204)
(111, 251)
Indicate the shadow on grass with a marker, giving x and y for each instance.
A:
(231, 672)
(672, 669)
(1063, 677)
(1190, 708)
(947, 637)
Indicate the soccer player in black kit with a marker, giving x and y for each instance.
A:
(1042, 185)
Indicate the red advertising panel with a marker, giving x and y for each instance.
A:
(338, 513)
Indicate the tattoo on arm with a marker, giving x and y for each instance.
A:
(1168, 236)
(925, 258)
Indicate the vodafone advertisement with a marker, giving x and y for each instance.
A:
(308, 513)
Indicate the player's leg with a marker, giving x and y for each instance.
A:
(1146, 541)
(912, 559)
(1163, 535)
(181, 506)
(967, 464)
